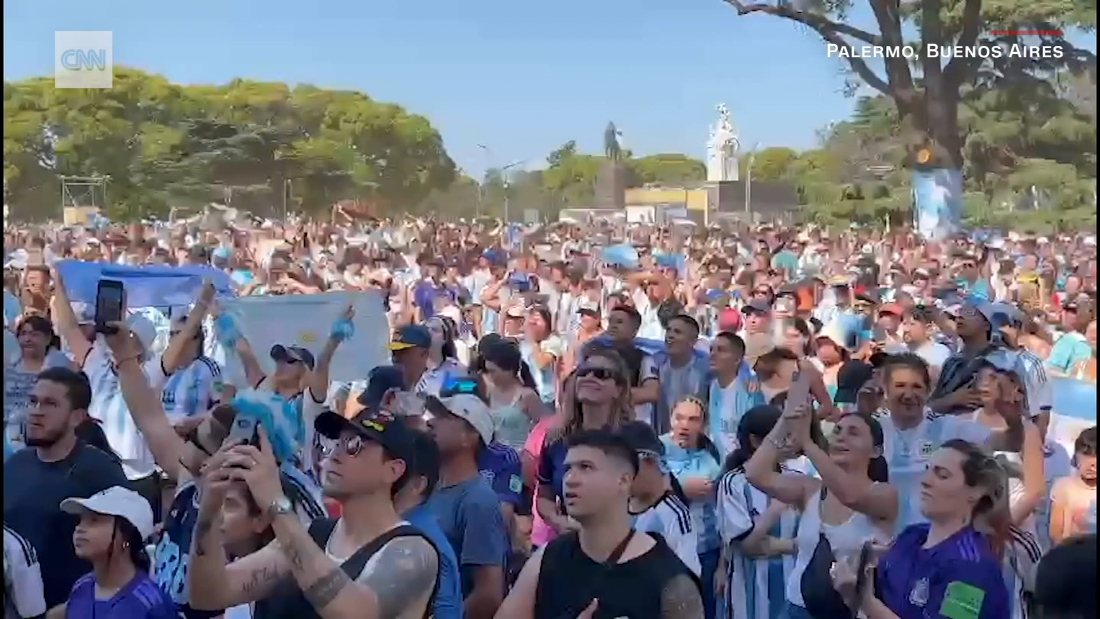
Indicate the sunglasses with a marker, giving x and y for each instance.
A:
(351, 445)
(599, 373)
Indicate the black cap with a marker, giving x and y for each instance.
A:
(380, 427)
(382, 380)
(411, 336)
(588, 311)
(850, 379)
(759, 306)
(292, 353)
(641, 437)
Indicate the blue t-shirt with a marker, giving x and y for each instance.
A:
(959, 577)
(448, 596)
(500, 466)
(685, 464)
(425, 295)
(1069, 350)
(140, 599)
(470, 518)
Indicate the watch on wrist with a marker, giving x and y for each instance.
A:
(280, 506)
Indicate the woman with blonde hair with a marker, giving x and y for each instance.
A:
(599, 397)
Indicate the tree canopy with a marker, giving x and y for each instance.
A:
(247, 143)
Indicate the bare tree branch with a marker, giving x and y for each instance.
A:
(813, 20)
(960, 67)
(828, 30)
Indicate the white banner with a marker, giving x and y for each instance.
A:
(305, 321)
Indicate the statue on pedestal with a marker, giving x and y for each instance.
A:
(722, 148)
(612, 149)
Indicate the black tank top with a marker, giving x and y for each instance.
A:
(570, 579)
(288, 602)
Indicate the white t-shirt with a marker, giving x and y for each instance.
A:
(933, 353)
(110, 409)
(908, 453)
(546, 379)
(671, 519)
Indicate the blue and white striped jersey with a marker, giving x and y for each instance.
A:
(186, 392)
(908, 453)
(755, 588)
(671, 519)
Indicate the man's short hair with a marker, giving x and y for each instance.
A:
(1085, 444)
(688, 320)
(1058, 593)
(427, 460)
(631, 312)
(76, 385)
(908, 361)
(768, 364)
(611, 444)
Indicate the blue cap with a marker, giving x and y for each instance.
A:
(411, 336)
(495, 257)
(382, 380)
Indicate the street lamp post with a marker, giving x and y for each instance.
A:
(748, 181)
(504, 180)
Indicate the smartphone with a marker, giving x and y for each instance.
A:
(861, 573)
(878, 334)
(245, 431)
(109, 305)
(799, 393)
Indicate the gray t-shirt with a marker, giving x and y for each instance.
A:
(469, 515)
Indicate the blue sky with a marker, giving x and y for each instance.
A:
(519, 76)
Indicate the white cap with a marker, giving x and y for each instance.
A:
(143, 328)
(474, 411)
(116, 501)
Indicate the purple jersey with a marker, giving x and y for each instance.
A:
(500, 466)
(959, 578)
(140, 599)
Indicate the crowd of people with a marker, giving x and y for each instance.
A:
(586, 421)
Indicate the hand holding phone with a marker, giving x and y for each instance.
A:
(244, 431)
(110, 305)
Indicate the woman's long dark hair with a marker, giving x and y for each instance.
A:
(506, 356)
(544, 313)
(450, 332)
(877, 469)
(42, 325)
(757, 421)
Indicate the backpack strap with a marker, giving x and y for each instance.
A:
(321, 530)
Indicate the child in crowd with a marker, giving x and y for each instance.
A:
(1073, 499)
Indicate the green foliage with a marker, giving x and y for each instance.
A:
(166, 145)
(665, 169)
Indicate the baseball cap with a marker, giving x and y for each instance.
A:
(588, 311)
(382, 380)
(839, 281)
(850, 379)
(292, 353)
(891, 308)
(757, 345)
(469, 408)
(729, 319)
(758, 305)
(411, 336)
(143, 328)
(1010, 313)
(641, 437)
(378, 426)
(115, 501)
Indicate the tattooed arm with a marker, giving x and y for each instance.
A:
(681, 599)
(409, 573)
(216, 586)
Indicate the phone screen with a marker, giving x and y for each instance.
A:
(799, 393)
(108, 304)
(244, 430)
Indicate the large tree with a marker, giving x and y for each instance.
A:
(927, 90)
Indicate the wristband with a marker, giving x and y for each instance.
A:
(342, 330)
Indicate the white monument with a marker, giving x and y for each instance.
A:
(722, 148)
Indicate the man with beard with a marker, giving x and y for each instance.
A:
(368, 563)
(55, 466)
(605, 567)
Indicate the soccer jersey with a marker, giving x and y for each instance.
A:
(187, 391)
(726, 405)
(671, 519)
(1020, 562)
(500, 466)
(109, 407)
(23, 595)
(755, 588)
(685, 464)
(908, 453)
(959, 577)
(139, 599)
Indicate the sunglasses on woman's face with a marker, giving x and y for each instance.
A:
(600, 373)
